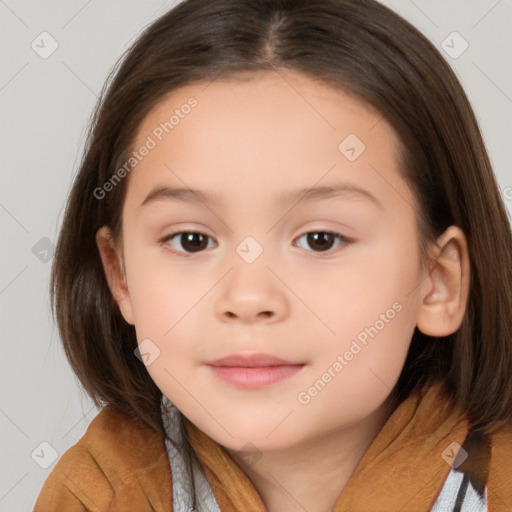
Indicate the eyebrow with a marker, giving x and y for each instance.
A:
(162, 192)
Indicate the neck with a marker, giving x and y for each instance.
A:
(312, 475)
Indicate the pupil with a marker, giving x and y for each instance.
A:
(192, 239)
(320, 239)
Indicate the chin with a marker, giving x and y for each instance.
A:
(256, 438)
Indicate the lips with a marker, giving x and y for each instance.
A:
(252, 361)
(253, 371)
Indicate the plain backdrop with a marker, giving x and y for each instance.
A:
(55, 56)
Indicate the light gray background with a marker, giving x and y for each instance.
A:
(45, 106)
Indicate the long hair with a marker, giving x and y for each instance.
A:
(360, 47)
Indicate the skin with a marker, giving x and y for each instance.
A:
(247, 141)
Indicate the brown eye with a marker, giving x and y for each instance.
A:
(190, 241)
(322, 241)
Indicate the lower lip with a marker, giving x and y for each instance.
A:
(253, 378)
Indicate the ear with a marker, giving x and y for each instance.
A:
(444, 293)
(114, 272)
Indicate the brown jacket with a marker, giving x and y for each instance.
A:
(121, 465)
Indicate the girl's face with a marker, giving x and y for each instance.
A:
(258, 273)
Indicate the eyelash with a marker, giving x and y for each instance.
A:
(327, 253)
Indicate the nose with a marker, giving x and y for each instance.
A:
(252, 294)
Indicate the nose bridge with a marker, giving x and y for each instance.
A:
(251, 290)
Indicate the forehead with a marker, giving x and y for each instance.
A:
(269, 93)
(261, 130)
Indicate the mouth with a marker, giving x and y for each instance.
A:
(253, 371)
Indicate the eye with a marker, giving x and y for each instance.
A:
(194, 241)
(190, 241)
(322, 241)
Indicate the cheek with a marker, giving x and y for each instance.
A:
(370, 306)
(168, 303)
(371, 282)
(162, 293)
(353, 376)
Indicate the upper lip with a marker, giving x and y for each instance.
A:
(251, 361)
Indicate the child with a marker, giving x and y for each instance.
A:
(285, 273)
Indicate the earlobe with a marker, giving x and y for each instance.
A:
(445, 290)
(114, 272)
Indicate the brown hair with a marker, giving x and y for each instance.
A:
(363, 48)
